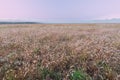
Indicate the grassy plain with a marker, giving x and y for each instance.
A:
(60, 52)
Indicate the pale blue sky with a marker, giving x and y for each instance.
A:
(59, 9)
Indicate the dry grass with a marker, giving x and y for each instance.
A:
(60, 52)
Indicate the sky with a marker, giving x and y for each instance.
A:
(60, 10)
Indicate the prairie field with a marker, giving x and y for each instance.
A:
(60, 52)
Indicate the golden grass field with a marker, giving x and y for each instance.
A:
(60, 52)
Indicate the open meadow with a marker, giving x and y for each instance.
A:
(60, 52)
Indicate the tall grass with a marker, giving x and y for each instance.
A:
(60, 52)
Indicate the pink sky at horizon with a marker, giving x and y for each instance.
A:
(62, 9)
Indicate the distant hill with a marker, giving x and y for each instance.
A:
(19, 23)
(114, 20)
(57, 21)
